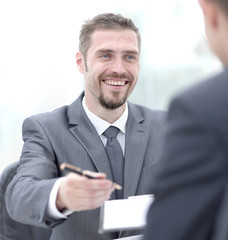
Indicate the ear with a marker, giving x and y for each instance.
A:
(210, 12)
(80, 62)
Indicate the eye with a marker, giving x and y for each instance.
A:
(130, 57)
(105, 56)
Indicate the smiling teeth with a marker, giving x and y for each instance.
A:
(115, 83)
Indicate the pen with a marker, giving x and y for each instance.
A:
(71, 168)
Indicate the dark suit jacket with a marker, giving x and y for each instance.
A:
(190, 186)
(67, 135)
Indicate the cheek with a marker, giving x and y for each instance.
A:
(135, 73)
(96, 70)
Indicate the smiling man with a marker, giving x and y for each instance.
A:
(108, 58)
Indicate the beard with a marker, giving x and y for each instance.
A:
(111, 104)
(115, 102)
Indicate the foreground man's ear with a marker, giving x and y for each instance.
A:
(210, 12)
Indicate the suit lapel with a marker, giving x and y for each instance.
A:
(85, 133)
(135, 145)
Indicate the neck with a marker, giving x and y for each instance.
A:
(222, 53)
(220, 36)
(109, 115)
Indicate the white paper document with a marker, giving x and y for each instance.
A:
(125, 213)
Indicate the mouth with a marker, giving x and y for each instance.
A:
(115, 83)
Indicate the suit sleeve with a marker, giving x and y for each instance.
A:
(28, 193)
(190, 184)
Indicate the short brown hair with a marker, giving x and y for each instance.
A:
(105, 21)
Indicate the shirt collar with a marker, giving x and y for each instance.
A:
(101, 125)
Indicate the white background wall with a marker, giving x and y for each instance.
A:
(39, 40)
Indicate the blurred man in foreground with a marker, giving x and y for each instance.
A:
(190, 187)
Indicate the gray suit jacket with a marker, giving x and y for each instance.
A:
(194, 174)
(67, 135)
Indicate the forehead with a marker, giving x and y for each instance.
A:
(114, 40)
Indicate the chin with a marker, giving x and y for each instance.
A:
(109, 104)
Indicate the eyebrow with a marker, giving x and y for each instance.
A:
(111, 51)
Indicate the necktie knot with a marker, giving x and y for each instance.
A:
(111, 132)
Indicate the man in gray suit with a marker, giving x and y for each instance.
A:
(192, 183)
(108, 58)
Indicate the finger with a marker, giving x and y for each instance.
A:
(91, 194)
(98, 175)
(77, 181)
(84, 199)
(91, 202)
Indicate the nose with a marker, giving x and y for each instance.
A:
(117, 66)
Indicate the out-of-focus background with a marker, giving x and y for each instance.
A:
(39, 40)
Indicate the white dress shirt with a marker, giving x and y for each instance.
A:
(100, 126)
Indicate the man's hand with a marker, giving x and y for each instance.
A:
(79, 193)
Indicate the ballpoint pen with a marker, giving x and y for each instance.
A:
(66, 167)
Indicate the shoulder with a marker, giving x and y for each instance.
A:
(143, 113)
(49, 117)
(202, 103)
(212, 90)
(60, 115)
